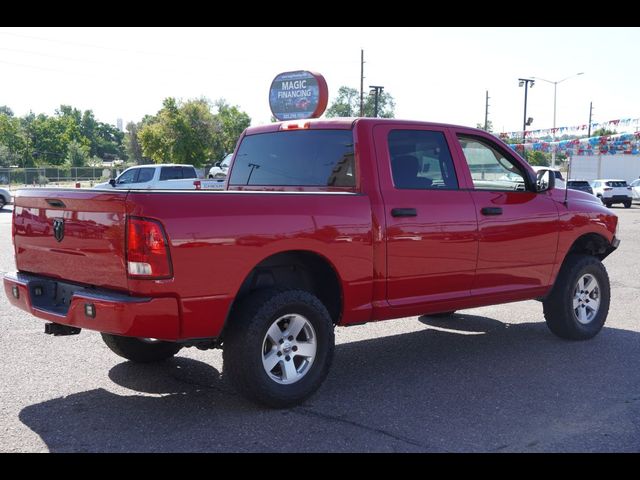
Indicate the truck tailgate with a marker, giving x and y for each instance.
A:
(76, 235)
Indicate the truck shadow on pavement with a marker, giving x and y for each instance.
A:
(467, 383)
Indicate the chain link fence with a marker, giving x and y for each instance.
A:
(56, 176)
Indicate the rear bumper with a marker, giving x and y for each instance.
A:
(114, 312)
(617, 198)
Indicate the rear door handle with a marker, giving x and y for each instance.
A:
(491, 211)
(404, 212)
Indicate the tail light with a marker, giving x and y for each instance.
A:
(628, 188)
(606, 189)
(147, 249)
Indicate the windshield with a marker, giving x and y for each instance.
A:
(226, 161)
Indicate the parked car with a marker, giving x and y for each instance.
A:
(635, 190)
(220, 169)
(582, 185)
(162, 176)
(560, 183)
(611, 191)
(308, 236)
(5, 197)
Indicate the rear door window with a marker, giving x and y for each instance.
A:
(189, 172)
(171, 173)
(421, 160)
(313, 158)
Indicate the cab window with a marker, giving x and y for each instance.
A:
(145, 175)
(128, 176)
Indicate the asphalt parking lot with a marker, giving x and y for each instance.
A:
(492, 379)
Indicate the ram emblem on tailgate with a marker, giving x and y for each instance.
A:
(58, 229)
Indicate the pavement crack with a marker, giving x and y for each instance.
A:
(380, 431)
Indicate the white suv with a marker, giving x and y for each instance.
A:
(612, 191)
(559, 183)
(220, 169)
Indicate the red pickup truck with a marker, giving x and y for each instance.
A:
(322, 223)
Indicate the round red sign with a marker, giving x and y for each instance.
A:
(297, 95)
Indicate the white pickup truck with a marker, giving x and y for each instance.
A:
(161, 176)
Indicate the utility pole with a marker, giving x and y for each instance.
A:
(590, 112)
(361, 82)
(486, 113)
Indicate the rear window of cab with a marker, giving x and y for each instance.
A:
(306, 158)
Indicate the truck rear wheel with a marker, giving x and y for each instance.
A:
(140, 350)
(627, 204)
(578, 304)
(278, 347)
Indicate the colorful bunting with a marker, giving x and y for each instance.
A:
(559, 131)
(621, 143)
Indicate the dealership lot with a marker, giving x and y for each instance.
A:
(490, 379)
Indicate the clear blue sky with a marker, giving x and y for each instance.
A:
(435, 74)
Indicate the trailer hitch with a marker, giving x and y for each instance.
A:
(58, 330)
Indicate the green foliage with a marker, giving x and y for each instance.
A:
(603, 131)
(489, 126)
(189, 132)
(195, 132)
(132, 144)
(45, 140)
(232, 123)
(347, 104)
(77, 154)
(537, 158)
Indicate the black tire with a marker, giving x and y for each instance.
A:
(607, 204)
(246, 336)
(442, 314)
(140, 351)
(558, 306)
(602, 199)
(627, 204)
(3, 202)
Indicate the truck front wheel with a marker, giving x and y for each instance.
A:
(278, 347)
(140, 350)
(578, 304)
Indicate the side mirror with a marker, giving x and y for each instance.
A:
(545, 180)
(217, 164)
(112, 182)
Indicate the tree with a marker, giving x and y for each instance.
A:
(77, 154)
(537, 159)
(44, 140)
(489, 126)
(12, 140)
(189, 132)
(4, 110)
(603, 132)
(132, 143)
(347, 104)
(232, 123)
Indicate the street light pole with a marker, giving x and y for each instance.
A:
(525, 82)
(555, 88)
(376, 90)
